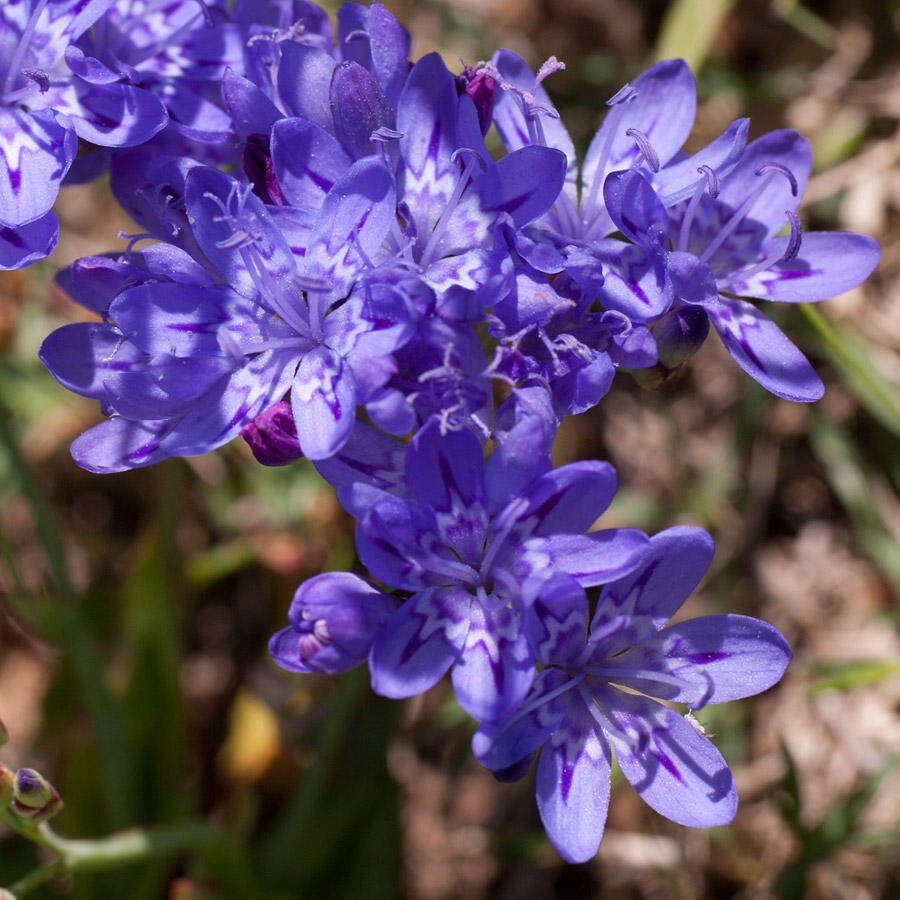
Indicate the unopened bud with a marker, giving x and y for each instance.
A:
(272, 436)
(4, 734)
(333, 618)
(679, 334)
(259, 169)
(481, 87)
(34, 797)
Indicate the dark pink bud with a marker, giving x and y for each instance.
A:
(480, 87)
(258, 168)
(272, 436)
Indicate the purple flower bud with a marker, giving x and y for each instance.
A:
(679, 334)
(334, 618)
(259, 169)
(272, 436)
(33, 796)
(480, 87)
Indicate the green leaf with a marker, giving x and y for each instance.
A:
(689, 30)
(848, 353)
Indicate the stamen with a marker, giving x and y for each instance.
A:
(22, 47)
(359, 33)
(39, 77)
(649, 154)
(782, 169)
(770, 170)
(613, 672)
(617, 104)
(793, 247)
(712, 181)
(385, 134)
(548, 68)
(790, 252)
(440, 227)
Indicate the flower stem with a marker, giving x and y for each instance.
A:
(118, 849)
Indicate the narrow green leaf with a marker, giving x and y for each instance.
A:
(689, 30)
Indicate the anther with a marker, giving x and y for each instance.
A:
(646, 148)
(793, 246)
(624, 94)
(783, 170)
(39, 77)
(712, 181)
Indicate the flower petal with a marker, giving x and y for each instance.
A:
(26, 244)
(524, 184)
(510, 119)
(673, 563)
(556, 618)
(720, 657)
(572, 788)
(678, 180)
(592, 559)
(500, 745)
(829, 263)
(323, 399)
(673, 767)
(663, 111)
(763, 351)
(784, 148)
(358, 108)
(307, 160)
(111, 115)
(417, 644)
(389, 44)
(304, 77)
(494, 672)
(36, 150)
(567, 500)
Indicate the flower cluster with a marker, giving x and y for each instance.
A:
(340, 270)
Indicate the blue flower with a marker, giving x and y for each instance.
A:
(184, 361)
(724, 246)
(47, 103)
(578, 711)
(458, 546)
(178, 51)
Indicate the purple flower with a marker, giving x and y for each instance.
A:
(646, 126)
(178, 51)
(48, 101)
(578, 711)
(333, 618)
(724, 246)
(185, 360)
(315, 88)
(460, 545)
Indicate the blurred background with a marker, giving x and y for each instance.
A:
(135, 608)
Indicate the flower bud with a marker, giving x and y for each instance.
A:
(34, 797)
(334, 618)
(679, 334)
(4, 734)
(272, 436)
(481, 87)
(258, 167)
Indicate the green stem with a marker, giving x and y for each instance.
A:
(119, 849)
(35, 879)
